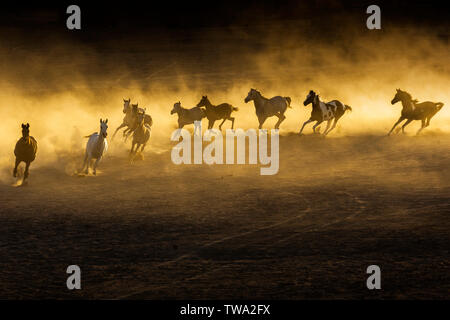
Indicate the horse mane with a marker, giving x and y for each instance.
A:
(407, 94)
(317, 96)
(208, 101)
(259, 93)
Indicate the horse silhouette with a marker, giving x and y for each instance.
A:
(264, 107)
(25, 150)
(219, 112)
(141, 135)
(131, 113)
(322, 111)
(188, 116)
(412, 110)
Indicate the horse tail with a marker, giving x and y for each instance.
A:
(288, 99)
(346, 107)
(439, 106)
(235, 108)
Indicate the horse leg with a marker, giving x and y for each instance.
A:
(133, 154)
(232, 122)
(132, 147)
(88, 162)
(281, 118)
(211, 124)
(261, 122)
(396, 124)
(304, 124)
(128, 135)
(84, 162)
(428, 119)
(197, 129)
(95, 165)
(15, 168)
(178, 131)
(27, 167)
(326, 129)
(118, 128)
(405, 124)
(315, 126)
(423, 127)
(333, 126)
(220, 125)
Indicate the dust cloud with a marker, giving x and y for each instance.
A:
(62, 89)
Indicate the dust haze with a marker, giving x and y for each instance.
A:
(48, 88)
(334, 205)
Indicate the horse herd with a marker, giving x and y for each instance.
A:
(139, 124)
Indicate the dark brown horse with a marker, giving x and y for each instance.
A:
(25, 150)
(412, 110)
(219, 112)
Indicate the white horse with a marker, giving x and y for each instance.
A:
(96, 147)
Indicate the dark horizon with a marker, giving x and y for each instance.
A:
(141, 15)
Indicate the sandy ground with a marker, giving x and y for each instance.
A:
(154, 230)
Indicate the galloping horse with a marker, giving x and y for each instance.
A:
(96, 147)
(265, 107)
(324, 111)
(214, 113)
(188, 116)
(414, 111)
(129, 120)
(140, 135)
(25, 150)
